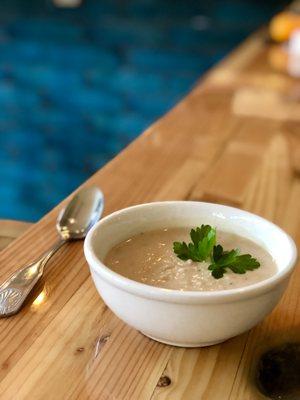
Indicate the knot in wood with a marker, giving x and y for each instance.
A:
(164, 381)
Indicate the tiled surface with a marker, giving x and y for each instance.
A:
(77, 85)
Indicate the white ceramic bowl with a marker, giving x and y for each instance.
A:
(188, 318)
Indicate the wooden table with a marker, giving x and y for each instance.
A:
(234, 139)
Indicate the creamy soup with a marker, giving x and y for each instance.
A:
(149, 258)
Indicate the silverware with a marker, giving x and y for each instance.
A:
(73, 223)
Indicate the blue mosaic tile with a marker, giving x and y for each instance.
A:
(44, 77)
(44, 28)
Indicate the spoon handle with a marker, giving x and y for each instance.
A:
(14, 291)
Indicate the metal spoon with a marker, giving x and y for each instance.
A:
(73, 222)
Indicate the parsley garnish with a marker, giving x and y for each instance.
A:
(203, 247)
(203, 241)
(239, 264)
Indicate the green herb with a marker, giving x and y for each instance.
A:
(203, 247)
(239, 264)
(203, 241)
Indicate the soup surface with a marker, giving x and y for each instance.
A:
(149, 258)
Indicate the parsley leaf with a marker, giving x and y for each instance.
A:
(182, 250)
(239, 264)
(203, 247)
(203, 242)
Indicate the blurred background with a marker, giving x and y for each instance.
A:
(77, 84)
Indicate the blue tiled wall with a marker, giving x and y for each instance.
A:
(77, 85)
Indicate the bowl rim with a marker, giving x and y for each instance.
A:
(175, 295)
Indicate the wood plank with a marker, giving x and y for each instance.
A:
(259, 102)
(273, 183)
(10, 230)
(199, 373)
(292, 130)
(228, 180)
(282, 326)
(182, 182)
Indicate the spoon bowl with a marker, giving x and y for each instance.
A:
(80, 214)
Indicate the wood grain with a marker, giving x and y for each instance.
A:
(292, 130)
(228, 180)
(66, 344)
(10, 230)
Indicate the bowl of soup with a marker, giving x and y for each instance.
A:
(176, 300)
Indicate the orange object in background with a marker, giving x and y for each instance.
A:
(283, 24)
